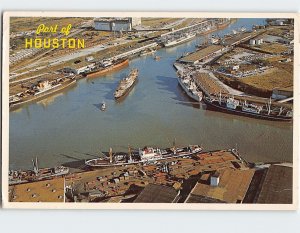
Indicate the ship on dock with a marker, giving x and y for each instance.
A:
(105, 66)
(40, 91)
(147, 155)
(175, 40)
(126, 84)
(36, 174)
(188, 84)
(229, 104)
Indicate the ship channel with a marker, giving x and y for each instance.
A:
(69, 126)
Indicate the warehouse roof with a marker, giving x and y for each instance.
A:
(201, 54)
(232, 187)
(154, 193)
(239, 38)
(278, 185)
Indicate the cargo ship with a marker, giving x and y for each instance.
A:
(147, 155)
(177, 40)
(39, 91)
(189, 86)
(126, 84)
(37, 174)
(105, 66)
(228, 104)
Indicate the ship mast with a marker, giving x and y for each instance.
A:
(269, 106)
(110, 155)
(35, 165)
(129, 152)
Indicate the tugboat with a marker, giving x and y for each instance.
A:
(103, 106)
(126, 84)
(157, 58)
(147, 155)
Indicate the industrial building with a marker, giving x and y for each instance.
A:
(116, 24)
(226, 185)
(277, 187)
(256, 41)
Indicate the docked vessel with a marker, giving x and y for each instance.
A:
(144, 156)
(178, 39)
(105, 66)
(39, 91)
(37, 174)
(147, 52)
(262, 111)
(189, 86)
(126, 84)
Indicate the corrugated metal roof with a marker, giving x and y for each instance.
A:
(278, 186)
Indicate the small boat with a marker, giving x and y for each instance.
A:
(103, 106)
(157, 58)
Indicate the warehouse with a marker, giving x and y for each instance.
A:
(203, 54)
(116, 24)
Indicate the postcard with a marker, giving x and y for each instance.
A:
(150, 110)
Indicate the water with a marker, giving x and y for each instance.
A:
(70, 126)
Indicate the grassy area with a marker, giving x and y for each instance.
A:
(157, 22)
(18, 24)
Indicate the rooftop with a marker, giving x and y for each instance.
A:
(110, 19)
(201, 54)
(238, 38)
(278, 185)
(154, 193)
(232, 187)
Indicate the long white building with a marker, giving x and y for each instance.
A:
(116, 24)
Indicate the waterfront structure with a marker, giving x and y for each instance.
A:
(202, 55)
(79, 67)
(227, 185)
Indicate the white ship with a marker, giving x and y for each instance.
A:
(190, 87)
(126, 84)
(183, 38)
(144, 156)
